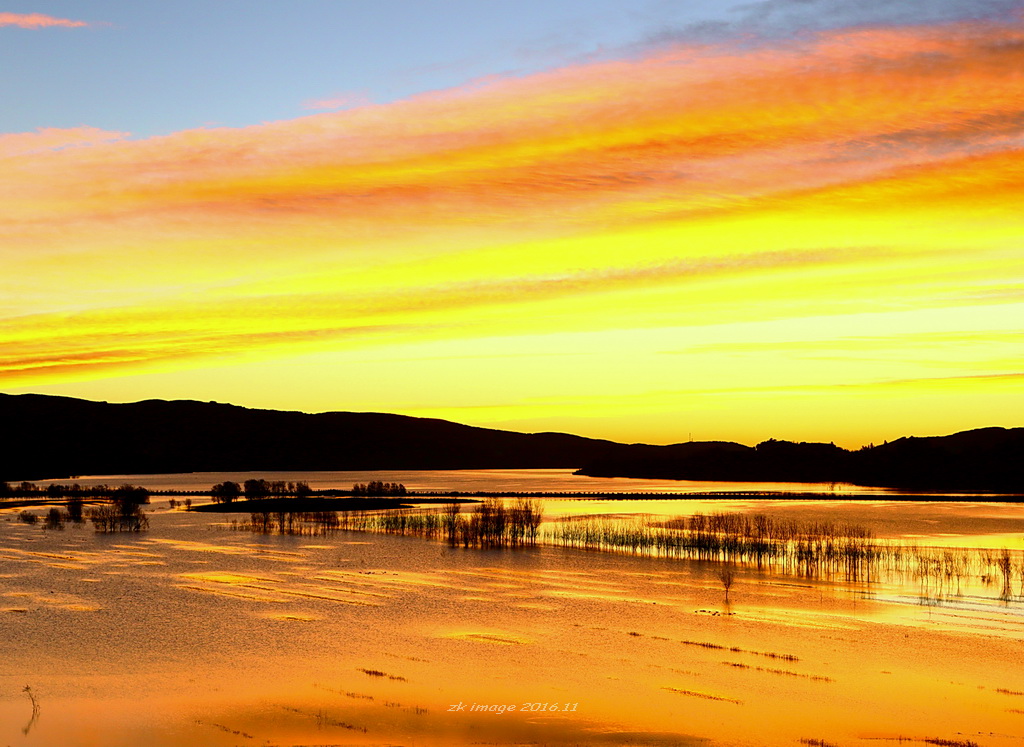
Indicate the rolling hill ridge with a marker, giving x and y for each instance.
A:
(60, 437)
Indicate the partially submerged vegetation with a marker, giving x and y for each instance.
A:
(290, 522)
(118, 518)
(55, 519)
(35, 710)
(378, 487)
(491, 523)
(735, 540)
(259, 489)
(123, 513)
(313, 504)
(807, 549)
(714, 668)
(112, 509)
(53, 491)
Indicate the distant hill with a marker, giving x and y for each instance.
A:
(987, 459)
(990, 458)
(60, 437)
(57, 437)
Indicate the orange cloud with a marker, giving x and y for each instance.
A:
(698, 122)
(746, 171)
(37, 21)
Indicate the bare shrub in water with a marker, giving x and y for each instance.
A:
(123, 514)
(727, 575)
(54, 519)
(75, 509)
(290, 522)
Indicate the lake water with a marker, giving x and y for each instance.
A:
(981, 522)
(494, 480)
(193, 634)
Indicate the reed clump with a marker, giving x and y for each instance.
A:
(491, 523)
(825, 550)
(807, 549)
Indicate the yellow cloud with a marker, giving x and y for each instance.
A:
(851, 173)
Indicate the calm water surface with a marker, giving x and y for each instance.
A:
(497, 480)
(193, 634)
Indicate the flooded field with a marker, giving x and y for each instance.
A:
(468, 480)
(193, 634)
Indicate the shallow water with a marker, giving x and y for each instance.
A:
(470, 480)
(192, 634)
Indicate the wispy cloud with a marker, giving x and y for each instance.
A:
(704, 121)
(37, 21)
(110, 350)
(934, 341)
(937, 382)
(49, 138)
(776, 21)
(339, 101)
(849, 169)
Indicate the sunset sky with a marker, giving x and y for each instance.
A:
(638, 220)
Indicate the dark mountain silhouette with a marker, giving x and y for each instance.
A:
(770, 461)
(57, 437)
(987, 459)
(991, 458)
(60, 437)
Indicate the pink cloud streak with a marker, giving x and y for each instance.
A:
(37, 21)
(341, 101)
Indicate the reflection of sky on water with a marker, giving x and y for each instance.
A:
(189, 634)
(524, 480)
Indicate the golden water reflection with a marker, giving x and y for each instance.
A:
(190, 635)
